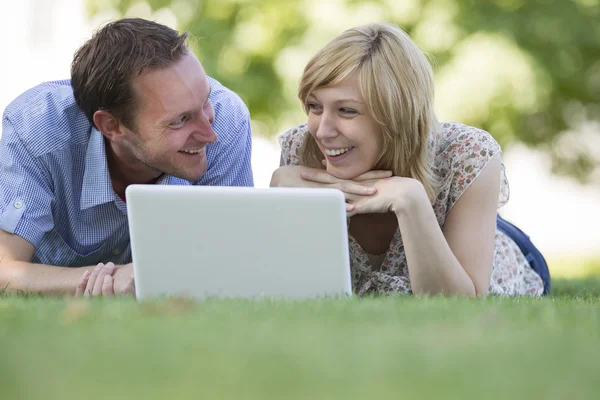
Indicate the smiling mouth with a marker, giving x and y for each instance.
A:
(337, 152)
(192, 151)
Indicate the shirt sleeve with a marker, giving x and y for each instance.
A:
(291, 143)
(230, 157)
(469, 151)
(26, 195)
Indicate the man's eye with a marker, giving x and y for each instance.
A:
(179, 122)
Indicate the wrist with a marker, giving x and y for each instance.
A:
(413, 196)
(276, 178)
(286, 176)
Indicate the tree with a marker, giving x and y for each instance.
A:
(528, 72)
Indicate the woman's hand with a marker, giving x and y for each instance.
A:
(394, 194)
(299, 176)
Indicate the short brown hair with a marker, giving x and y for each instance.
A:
(103, 68)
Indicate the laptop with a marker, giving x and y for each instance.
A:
(238, 242)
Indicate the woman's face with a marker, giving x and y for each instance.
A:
(348, 136)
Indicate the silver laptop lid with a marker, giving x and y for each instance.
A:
(238, 242)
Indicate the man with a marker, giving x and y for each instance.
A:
(138, 109)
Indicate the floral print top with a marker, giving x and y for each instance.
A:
(461, 152)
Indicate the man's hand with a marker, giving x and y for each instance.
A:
(123, 280)
(107, 280)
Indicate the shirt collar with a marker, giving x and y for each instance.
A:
(97, 186)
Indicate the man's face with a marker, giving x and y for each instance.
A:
(172, 119)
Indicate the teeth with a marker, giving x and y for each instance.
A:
(192, 151)
(337, 152)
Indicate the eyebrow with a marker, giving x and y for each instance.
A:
(348, 99)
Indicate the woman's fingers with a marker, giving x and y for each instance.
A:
(352, 198)
(322, 176)
(318, 175)
(354, 186)
(370, 175)
(351, 213)
(350, 187)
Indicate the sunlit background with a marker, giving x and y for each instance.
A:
(528, 74)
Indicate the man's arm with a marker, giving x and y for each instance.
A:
(25, 216)
(17, 273)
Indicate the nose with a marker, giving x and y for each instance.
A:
(204, 131)
(326, 128)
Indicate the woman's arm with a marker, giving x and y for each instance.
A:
(300, 176)
(454, 260)
(458, 258)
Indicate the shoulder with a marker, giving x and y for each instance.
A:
(462, 153)
(229, 106)
(46, 118)
(456, 139)
(232, 118)
(291, 142)
(297, 133)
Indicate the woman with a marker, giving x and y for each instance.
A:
(422, 197)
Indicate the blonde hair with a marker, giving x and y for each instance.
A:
(396, 82)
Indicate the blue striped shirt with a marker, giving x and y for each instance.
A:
(55, 188)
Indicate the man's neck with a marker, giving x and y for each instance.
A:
(124, 169)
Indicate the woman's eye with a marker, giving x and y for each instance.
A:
(348, 111)
(313, 107)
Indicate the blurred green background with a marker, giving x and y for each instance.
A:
(526, 71)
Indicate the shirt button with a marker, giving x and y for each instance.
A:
(18, 204)
(116, 252)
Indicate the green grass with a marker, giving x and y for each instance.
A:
(393, 347)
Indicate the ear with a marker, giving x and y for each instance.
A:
(109, 125)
